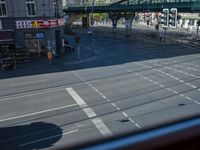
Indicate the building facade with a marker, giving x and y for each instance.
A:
(35, 25)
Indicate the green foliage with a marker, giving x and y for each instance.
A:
(100, 16)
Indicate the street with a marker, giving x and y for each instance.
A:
(127, 85)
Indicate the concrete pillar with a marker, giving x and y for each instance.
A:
(128, 22)
(114, 16)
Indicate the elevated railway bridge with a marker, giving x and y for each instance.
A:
(127, 8)
(184, 6)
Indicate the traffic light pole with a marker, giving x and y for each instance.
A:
(198, 24)
(78, 49)
(165, 32)
(92, 22)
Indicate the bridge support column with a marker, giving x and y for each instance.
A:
(114, 16)
(85, 21)
(128, 22)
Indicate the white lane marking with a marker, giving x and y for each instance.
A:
(169, 89)
(181, 81)
(156, 83)
(103, 129)
(89, 112)
(188, 84)
(76, 97)
(114, 104)
(124, 114)
(104, 96)
(28, 95)
(138, 125)
(129, 70)
(193, 86)
(47, 138)
(188, 98)
(192, 75)
(131, 120)
(196, 102)
(76, 74)
(175, 92)
(117, 108)
(161, 85)
(176, 79)
(30, 82)
(36, 113)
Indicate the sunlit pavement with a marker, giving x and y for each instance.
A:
(127, 85)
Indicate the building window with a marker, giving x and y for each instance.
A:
(30, 7)
(55, 7)
(3, 11)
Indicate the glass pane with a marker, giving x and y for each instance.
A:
(4, 9)
(1, 10)
(29, 9)
(33, 9)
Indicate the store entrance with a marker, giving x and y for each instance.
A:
(35, 44)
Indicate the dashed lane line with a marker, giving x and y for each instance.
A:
(169, 89)
(113, 104)
(188, 84)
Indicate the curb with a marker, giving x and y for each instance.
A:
(81, 61)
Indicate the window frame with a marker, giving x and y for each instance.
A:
(6, 11)
(29, 2)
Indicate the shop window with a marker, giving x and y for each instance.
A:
(3, 11)
(30, 7)
(1, 25)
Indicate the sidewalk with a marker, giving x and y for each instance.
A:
(43, 66)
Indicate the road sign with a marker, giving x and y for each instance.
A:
(173, 17)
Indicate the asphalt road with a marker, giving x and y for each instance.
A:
(126, 86)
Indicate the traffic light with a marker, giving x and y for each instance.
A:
(165, 18)
(173, 18)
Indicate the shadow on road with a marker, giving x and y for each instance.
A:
(37, 135)
(118, 51)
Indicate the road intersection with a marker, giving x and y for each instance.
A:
(128, 86)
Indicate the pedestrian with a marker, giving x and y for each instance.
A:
(50, 56)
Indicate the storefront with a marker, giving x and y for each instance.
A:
(39, 36)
